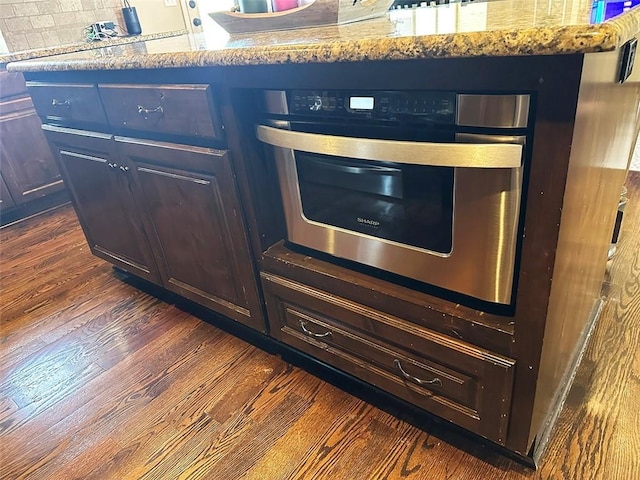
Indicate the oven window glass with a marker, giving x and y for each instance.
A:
(408, 204)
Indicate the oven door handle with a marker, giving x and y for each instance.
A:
(488, 151)
(371, 170)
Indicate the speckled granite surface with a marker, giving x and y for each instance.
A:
(492, 28)
(77, 47)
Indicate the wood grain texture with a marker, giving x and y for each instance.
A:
(28, 168)
(472, 386)
(192, 216)
(602, 138)
(173, 109)
(73, 103)
(29, 171)
(102, 381)
(605, 398)
(101, 190)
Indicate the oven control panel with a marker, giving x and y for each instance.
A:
(437, 107)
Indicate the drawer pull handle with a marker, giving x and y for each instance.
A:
(303, 325)
(435, 382)
(145, 112)
(58, 103)
(112, 165)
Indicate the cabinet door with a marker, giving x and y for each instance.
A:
(6, 202)
(27, 164)
(194, 214)
(100, 187)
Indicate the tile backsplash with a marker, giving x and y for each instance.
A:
(28, 24)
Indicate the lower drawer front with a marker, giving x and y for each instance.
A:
(466, 385)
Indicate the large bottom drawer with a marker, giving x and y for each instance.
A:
(455, 380)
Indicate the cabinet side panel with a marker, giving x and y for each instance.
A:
(603, 136)
(11, 84)
(27, 164)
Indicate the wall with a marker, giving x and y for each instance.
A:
(41, 23)
(156, 17)
(3, 45)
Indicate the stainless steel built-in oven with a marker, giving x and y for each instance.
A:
(421, 184)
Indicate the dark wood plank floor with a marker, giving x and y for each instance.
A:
(99, 380)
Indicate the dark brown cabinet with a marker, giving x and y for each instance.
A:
(186, 110)
(378, 333)
(167, 212)
(457, 380)
(193, 218)
(172, 211)
(69, 103)
(28, 168)
(101, 189)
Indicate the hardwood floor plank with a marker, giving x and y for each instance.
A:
(28, 471)
(43, 258)
(306, 435)
(353, 433)
(15, 354)
(23, 238)
(48, 326)
(94, 341)
(28, 293)
(417, 454)
(122, 408)
(399, 460)
(7, 407)
(94, 397)
(167, 417)
(194, 395)
(152, 453)
(12, 465)
(38, 251)
(251, 440)
(22, 314)
(232, 424)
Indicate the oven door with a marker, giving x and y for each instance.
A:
(441, 213)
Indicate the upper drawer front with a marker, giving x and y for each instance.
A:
(467, 385)
(171, 109)
(68, 103)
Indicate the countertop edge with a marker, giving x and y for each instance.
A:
(533, 41)
(28, 55)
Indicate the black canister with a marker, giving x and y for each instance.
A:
(131, 19)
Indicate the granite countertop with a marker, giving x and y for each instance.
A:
(482, 28)
(81, 46)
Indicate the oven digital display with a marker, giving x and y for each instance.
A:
(361, 103)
